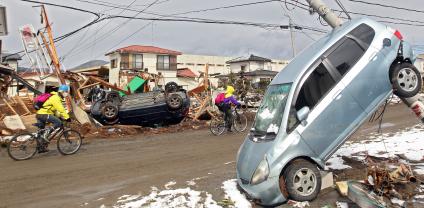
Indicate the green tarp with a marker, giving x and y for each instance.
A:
(135, 86)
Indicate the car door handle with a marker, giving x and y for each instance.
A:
(373, 56)
(337, 95)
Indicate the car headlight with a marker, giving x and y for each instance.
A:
(261, 172)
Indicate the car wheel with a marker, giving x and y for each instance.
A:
(406, 80)
(174, 101)
(171, 87)
(303, 180)
(110, 111)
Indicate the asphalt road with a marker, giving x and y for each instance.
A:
(105, 169)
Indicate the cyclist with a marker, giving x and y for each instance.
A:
(52, 107)
(226, 106)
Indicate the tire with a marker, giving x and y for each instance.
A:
(69, 142)
(171, 87)
(406, 80)
(113, 97)
(303, 180)
(110, 111)
(28, 147)
(217, 127)
(174, 101)
(240, 122)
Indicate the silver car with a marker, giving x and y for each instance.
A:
(316, 102)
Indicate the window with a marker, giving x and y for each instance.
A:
(346, 55)
(316, 86)
(137, 62)
(163, 62)
(364, 33)
(270, 113)
(243, 68)
(125, 61)
(113, 63)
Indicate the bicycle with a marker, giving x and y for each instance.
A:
(25, 145)
(218, 126)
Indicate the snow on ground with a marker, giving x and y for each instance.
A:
(409, 142)
(183, 197)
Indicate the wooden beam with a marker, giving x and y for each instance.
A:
(28, 112)
(10, 107)
(107, 84)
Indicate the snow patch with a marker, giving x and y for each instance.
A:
(231, 192)
(184, 197)
(398, 201)
(169, 184)
(408, 142)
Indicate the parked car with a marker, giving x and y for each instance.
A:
(316, 102)
(157, 107)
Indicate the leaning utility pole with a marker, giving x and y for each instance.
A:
(334, 21)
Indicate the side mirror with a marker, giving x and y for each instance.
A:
(302, 115)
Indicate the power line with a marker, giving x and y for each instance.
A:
(387, 6)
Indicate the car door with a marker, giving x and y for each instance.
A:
(361, 68)
(333, 110)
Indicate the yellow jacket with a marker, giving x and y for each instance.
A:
(229, 92)
(54, 106)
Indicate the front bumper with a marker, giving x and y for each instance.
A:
(266, 193)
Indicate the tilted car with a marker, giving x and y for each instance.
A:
(157, 107)
(316, 102)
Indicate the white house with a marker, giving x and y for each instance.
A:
(139, 58)
(254, 63)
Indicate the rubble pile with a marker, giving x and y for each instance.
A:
(119, 131)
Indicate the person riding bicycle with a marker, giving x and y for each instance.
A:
(53, 109)
(225, 106)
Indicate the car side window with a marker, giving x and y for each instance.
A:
(345, 56)
(364, 33)
(316, 86)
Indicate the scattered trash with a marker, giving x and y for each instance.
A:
(298, 204)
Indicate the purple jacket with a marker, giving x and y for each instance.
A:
(232, 100)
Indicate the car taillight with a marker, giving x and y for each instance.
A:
(398, 35)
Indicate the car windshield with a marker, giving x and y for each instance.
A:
(270, 113)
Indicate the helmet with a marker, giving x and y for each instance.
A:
(63, 88)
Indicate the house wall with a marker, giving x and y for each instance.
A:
(114, 71)
(12, 91)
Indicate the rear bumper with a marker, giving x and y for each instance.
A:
(266, 193)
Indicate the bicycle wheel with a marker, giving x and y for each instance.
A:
(217, 127)
(22, 146)
(240, 122)
(69, 142)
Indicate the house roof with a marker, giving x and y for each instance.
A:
(250, 58)
(186, 72)
(145, 49)
(90, 64)
(261, 72)
(10, 57)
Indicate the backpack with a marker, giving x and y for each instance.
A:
(219, 98)
(40, 100)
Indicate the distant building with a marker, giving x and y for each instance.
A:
(254, 63)
(197, 63)
(98, 68)
(11, 60)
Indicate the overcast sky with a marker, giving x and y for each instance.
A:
(190, 38)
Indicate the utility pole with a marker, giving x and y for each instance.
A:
(334, 21)
(292, 36)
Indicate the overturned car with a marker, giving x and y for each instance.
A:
(170, 106)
